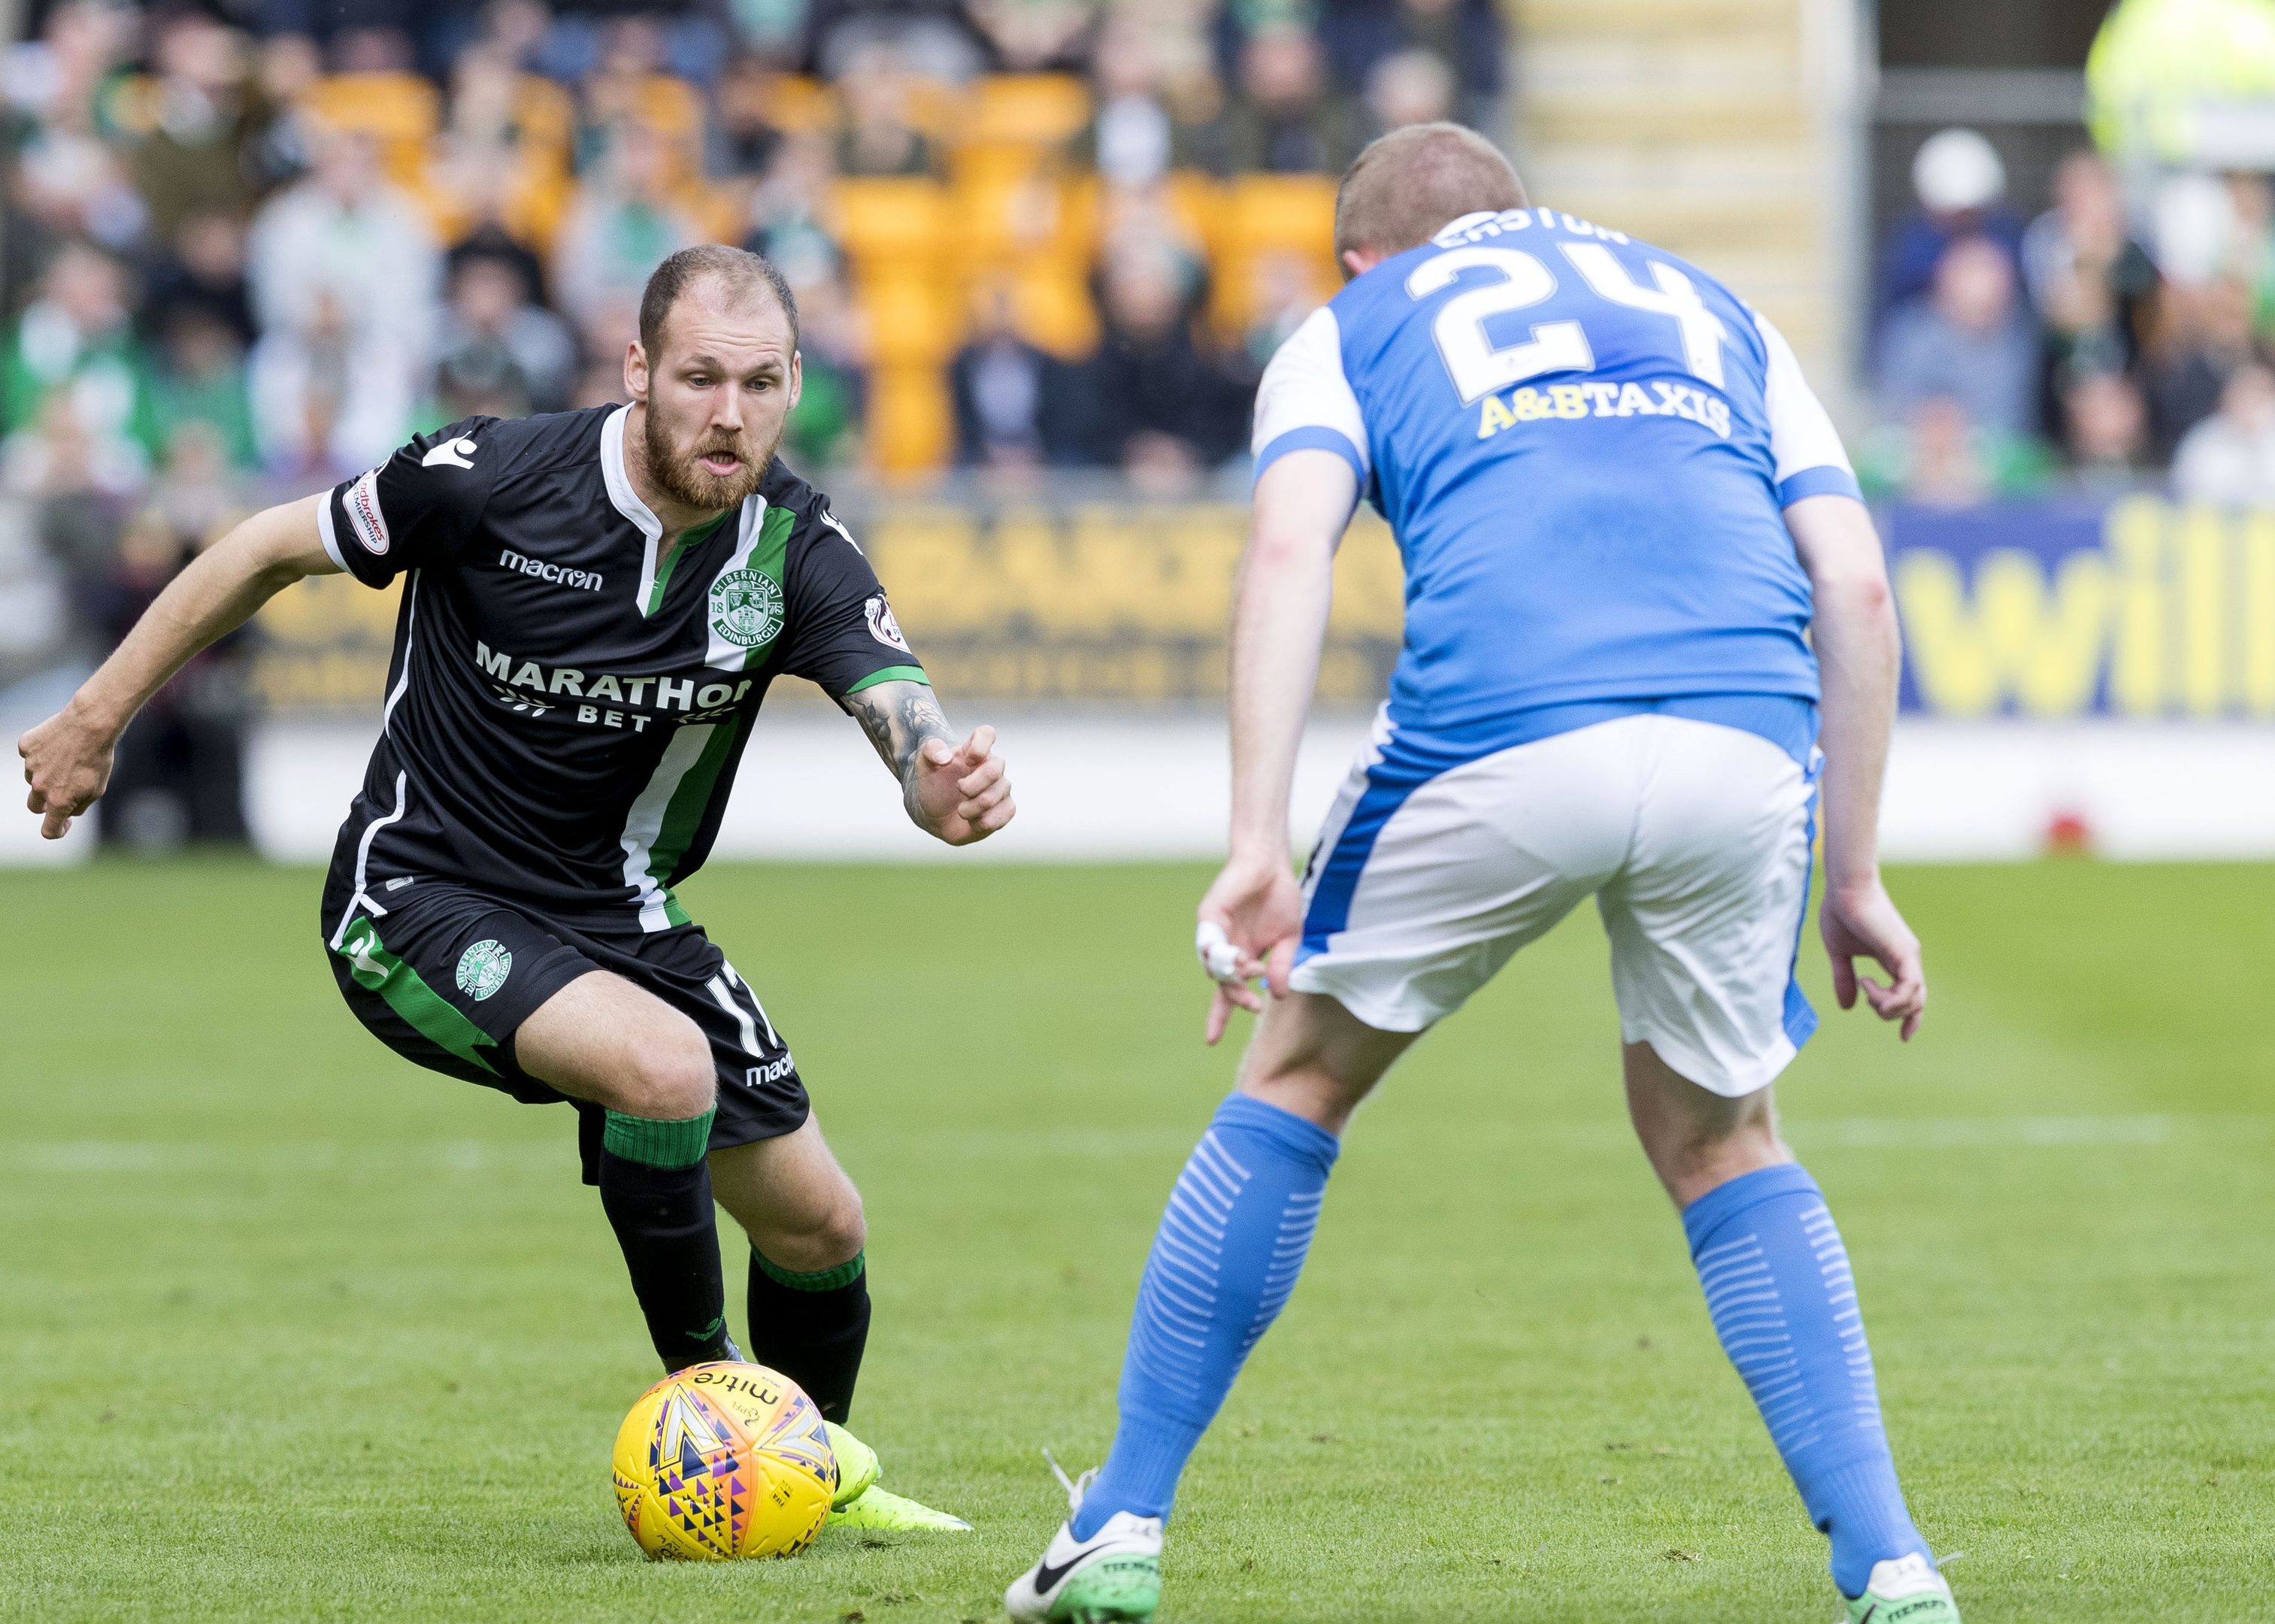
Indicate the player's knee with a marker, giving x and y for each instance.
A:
(672, 1075)
(835, 1231)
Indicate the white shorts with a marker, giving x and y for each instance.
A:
(1694, 838)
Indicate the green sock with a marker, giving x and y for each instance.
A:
(654, 1143)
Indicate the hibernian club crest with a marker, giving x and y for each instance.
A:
(746, 608)
(483, 968)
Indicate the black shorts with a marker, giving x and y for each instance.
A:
(446, 973)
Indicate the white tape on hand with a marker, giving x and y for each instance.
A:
(1218, 956)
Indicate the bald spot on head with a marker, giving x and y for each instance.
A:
(1406, 185)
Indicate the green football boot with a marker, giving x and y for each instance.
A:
(860, 1503)
(1904, 1590)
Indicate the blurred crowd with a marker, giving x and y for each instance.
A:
(250, 245)
(2124, 332)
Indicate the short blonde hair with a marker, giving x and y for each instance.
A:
(1408, 185)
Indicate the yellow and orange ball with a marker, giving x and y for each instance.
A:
(721, 1461)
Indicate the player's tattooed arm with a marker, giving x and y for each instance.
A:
(899, 717)
(956, 791)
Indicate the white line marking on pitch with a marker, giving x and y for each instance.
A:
(546, 1156)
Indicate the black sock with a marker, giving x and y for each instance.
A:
(664, 1223)
(811, 1328)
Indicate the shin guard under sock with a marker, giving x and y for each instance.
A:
(1782, 1300)
(1238, 1226)
(812, 1327)
(655, 1187)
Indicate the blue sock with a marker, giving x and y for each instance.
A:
(1224, 1260)
(1784, 1303)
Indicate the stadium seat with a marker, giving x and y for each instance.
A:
(915, 316)
(1270, 214)
(1036, 110)
(1007, 221)
(1017, 125)
(1280, 211)
(547, 117)
(1052, 307)
(911, 428)
(797, 105)
(400, 111)
(902, 220)
(935, 108)
(1196, 201)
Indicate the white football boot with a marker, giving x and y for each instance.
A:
(1903, 1590)
(1113, 1577)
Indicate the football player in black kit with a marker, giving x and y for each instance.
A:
(594, 605)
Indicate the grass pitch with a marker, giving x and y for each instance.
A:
(294, 1331)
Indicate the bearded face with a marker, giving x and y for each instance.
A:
(716, 395)
(703, 463)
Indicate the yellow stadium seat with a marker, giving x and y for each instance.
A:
(934, 107)
(1033, 109)
(1196, 201)
(1280, 211)
(997, 162)
(671, 106)
(1052, 305)
(911, 425)
(720, 210)
(900, 219)
(394, 107)
(400, 111)
(1266, 214)
(914, 318)
(547, 118)
(797, 105)
(533, 210)
(1000, 222)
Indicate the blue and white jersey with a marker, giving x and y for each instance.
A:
(1584, 446)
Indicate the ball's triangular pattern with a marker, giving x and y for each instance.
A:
(724, 1460)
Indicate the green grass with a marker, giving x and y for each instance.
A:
(294, 1331)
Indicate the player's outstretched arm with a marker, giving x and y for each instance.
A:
(1859, 652)
(67, 758)
(954, 792)
(1250, 919)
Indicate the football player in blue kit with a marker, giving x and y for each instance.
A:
(1649, 645)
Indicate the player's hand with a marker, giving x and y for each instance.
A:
(67, 763)
(1248, 927)
(960, 791)
(1861, 922)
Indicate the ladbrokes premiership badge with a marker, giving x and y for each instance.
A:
(483, 968)
(746, 608)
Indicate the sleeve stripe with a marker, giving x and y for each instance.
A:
(891, 674)
(1310, 437)
(1822, 481)
(324, 533)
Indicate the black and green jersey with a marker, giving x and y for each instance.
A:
(565, 707)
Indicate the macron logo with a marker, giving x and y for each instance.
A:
(584, 580)
(450, 453)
